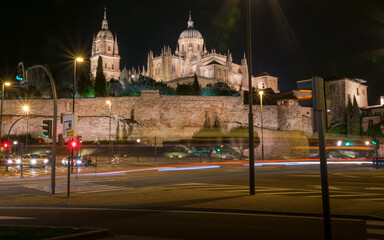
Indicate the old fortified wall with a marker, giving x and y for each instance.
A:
(167, 118)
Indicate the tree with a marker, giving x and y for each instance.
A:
(100, 81)
(195, 86)
(114, 88)
(355, 119)
(238, 137)
(348, 115)
(85, 85)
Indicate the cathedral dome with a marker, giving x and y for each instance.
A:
(190, 32)
(105, 34)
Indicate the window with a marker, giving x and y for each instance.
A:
(173, 68)
(182, 48)
(198, 47)
(377, 113)
(109, 48)
(112, 65)
(370, 123)
(105, 65)
(332, 89)
(357, 91)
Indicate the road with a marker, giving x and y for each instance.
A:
(211, 203)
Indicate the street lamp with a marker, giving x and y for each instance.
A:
(261, 117)
(26, 111)
(109, 134)
(79, 59)
(1, 111)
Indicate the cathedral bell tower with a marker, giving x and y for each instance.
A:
(105, 46)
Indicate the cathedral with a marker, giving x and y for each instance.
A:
(104, 45)
(190, 58)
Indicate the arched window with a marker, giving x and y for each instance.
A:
(109, 47)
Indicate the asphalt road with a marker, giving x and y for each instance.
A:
(211, 203)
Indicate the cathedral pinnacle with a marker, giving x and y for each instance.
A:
(190, 22)
(104, 24)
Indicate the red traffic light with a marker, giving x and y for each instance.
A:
(5, 145)
(73, 144)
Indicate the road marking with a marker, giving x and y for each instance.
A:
(79, 187)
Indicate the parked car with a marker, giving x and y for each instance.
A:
(35, 160)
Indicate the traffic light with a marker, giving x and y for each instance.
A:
(347, 143)
(73, 144)
(47, 128)
(5, 145)
(20, 72)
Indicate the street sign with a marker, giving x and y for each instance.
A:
(70, 125)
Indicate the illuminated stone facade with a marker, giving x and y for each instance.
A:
(105, 46)
(191, 57)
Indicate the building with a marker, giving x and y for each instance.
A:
(337, 91)
(104, 45)
(192, 57)
(372, 115)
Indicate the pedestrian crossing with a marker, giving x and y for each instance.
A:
(75, 187)
(308, 191)
(375, 230)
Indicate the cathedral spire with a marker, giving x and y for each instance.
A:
(190, 22)
(104, 24)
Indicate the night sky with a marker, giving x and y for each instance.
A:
(292, 39)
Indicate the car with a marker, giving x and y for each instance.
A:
(35, 160)
(79, 162)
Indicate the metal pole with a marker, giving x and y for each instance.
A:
(26, 136)
(54, 127)
(155, 152)
(70, 159)
(250, 114)
(74, 88)
(262, 129)
(109, 135)
(324, 176)
(1, 113)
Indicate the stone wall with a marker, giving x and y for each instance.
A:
(152, 115)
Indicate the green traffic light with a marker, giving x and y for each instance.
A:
(348, 144)
(218, 149)
(374, 142)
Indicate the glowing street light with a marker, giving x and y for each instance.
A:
(138, 140)
(339, 143)
(1, 111)
(261, 116)
(78, 59)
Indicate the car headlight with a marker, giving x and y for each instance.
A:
(46, 161)
(33, 161)
(78, 161)
(18, 161)
(9, 161)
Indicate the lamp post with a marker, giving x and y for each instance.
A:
(26, 111)
(79, 59)
(1, 111)
(261, 118)
(109, 134)
(250, 114)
